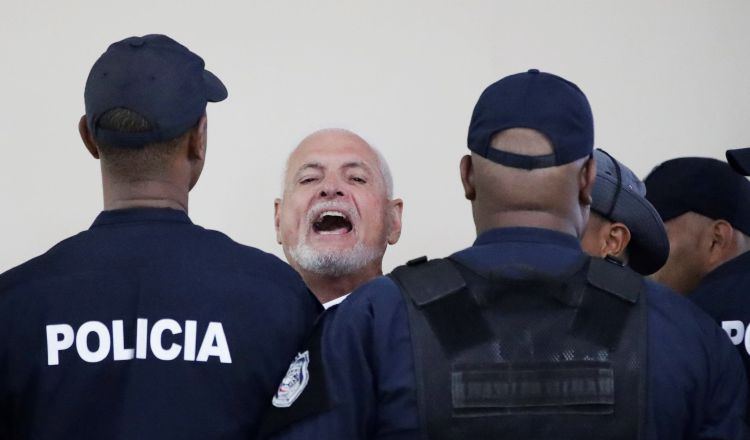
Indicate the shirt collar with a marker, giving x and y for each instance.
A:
(531, 235)
(140, 215)
(333, 302)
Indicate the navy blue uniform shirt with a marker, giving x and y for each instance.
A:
(146, 326)
(725, 295)
(696, 383)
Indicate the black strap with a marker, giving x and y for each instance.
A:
(521, 160)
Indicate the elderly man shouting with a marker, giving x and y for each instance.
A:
(337, 214)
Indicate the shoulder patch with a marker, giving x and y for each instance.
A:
(294, 382)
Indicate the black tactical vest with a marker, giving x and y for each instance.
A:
(531, 358)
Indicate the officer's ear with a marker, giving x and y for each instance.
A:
(617, 240)
(723, 243)
(87, 137)
(467, 177)
(198, 140)
(586, 179)
(277, 218)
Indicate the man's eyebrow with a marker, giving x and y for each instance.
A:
(309, 165)
(356, 164)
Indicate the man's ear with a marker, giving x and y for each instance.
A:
(467, 177)
(586, 179)
(277, 219)
(723, 245)
(198, 140)
(617, 240)
(396, 207)
(87, 137)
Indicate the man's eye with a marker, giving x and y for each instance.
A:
(306, 180)
(357, 179)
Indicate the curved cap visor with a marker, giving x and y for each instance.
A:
(739, 160)
(649, 245)
(619, 195)
(215, 89)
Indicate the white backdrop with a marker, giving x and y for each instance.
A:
(665, 79)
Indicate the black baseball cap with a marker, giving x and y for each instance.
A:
(619, 196)
(739, 160)
(544, 102)
(156, 77)
(705, 186)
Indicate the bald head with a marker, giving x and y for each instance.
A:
(556, 197)
(339, 136)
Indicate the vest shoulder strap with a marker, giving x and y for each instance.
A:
(426, 282)
(615, 279)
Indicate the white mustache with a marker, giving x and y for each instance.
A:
(331, 205)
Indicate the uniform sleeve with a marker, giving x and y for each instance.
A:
(725, 410)
(368, 368)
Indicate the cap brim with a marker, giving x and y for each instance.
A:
(739, 159)
(215, 90)
(649, 245)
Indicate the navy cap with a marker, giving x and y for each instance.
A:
(619, 196)
(739, 159)
(705, 186)
(536, 100)
(156, 77)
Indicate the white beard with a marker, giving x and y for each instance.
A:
(333, 263)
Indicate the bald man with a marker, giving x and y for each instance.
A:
(521, 335)
(337, 214)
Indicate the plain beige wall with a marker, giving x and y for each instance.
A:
(665, 79)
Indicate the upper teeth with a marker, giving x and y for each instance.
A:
(331, 213)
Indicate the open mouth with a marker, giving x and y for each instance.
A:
(332, 222)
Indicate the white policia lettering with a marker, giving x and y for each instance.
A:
(737, 332)
(61, 337)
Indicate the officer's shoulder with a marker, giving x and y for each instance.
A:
(43, 264)
(381, 293)
(249, 258)
(671, 310)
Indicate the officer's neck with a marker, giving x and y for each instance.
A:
(327, 288)
(144, 193)
(528, 219)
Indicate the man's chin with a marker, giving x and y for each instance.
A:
(333, 260)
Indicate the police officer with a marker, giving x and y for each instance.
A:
(147, 326)
(520, 335)
(623, 225)
(705, 205)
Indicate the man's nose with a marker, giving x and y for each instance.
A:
(331, 189)
(331, 192)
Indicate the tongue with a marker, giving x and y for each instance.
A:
(332, 225)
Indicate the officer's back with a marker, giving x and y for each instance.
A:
(520, 335)
(146, 325)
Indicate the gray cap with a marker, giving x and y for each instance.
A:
(619, 196)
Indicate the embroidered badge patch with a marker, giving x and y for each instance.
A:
(294, 382)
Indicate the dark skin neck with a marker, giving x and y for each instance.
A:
(165, 186)
(528, 219)
(327, 288)
(123, 193)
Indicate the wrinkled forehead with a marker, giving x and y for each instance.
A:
(332, 154)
